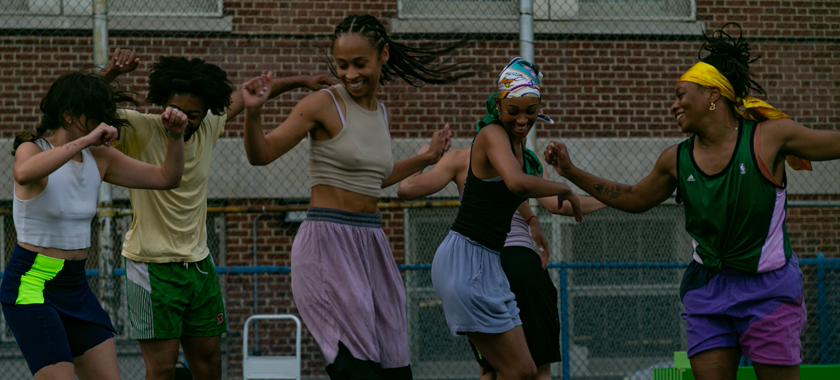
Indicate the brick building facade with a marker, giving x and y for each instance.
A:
(599, 85)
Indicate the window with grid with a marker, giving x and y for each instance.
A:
(546, 10)
(198, 8)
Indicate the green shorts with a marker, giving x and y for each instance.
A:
(171, 300)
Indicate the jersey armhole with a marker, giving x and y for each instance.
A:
(759, 162)
(678, 197)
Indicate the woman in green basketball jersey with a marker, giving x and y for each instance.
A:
(743, 289)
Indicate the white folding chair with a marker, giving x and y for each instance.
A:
(271, 367)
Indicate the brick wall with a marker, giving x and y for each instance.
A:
(596, 86)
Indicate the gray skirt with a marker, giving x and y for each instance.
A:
(473, 288)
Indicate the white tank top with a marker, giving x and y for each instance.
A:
(60, 216)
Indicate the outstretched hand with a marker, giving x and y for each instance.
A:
(174, 121)
(124, 61)
(255, 92)
(104, 134)
(317, 82)
(441, 141)
(557, 155)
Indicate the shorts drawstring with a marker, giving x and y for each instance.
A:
(199, 270)
(187, 265)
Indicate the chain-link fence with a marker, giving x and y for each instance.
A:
(609, 67)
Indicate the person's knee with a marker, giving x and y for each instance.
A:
(525, 371)
(160, 371)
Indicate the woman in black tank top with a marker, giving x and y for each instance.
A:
(466, 271)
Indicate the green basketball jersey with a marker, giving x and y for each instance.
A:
(736, 217)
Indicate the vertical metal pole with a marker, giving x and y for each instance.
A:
(564, 323)
(824, 324)
(526, 50)
(100, 32)
(107, 294)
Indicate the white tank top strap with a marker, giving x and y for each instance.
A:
(337, 108)
(385, 114)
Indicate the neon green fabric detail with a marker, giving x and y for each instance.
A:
(31, 289)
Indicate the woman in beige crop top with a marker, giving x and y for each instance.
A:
(346, 183)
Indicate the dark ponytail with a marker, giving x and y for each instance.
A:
(731, 57)
(412, 64)
(80, 93)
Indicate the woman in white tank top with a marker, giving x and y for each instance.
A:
(345, 282)
(57, 321)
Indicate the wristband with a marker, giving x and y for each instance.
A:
(173, 136)
(529, 218)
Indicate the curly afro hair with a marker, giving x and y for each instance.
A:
(731, 56)
(178, 75)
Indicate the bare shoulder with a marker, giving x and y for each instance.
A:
(490, 132)
(27, 149)
(314, 105)
(667, 161)
(779, 128)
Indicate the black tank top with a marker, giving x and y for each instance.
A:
(487, 207)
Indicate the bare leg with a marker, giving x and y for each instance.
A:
(204, 355)
(484, 374)
(160, 356)
(716, 364)
(57, 371)
(99, 362)
(776, 372)
(544, 372)
(507, 353)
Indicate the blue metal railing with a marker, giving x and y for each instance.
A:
(820, 263)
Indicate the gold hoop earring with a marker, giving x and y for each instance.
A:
(712, 108)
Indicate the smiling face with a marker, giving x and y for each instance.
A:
(518, 115)
(358, 64)
(691, 105)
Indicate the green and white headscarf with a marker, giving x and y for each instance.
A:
(518, 79)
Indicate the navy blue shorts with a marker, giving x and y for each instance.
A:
(50, 309)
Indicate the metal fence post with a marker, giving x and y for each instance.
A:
(564, 322)
(822, 314)
(526, 51)
(105, 290)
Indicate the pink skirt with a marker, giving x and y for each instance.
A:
(348, 289)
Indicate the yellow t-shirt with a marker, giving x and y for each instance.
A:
(169, 225)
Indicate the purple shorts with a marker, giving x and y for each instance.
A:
(761, 313)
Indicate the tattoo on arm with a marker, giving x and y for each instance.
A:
(613, 191)
(68, 145)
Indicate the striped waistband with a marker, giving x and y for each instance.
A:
(356, 219)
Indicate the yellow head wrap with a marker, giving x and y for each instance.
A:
(707, 75)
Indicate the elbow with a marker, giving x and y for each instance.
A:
(256, 161)
(405, 194)
(172, 184)
(519, 189)
(21, 178)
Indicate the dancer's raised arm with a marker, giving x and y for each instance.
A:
(649, 192)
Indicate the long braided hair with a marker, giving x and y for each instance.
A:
(731, 56)
(412, 64)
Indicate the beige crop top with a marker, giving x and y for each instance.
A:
(359, 158)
